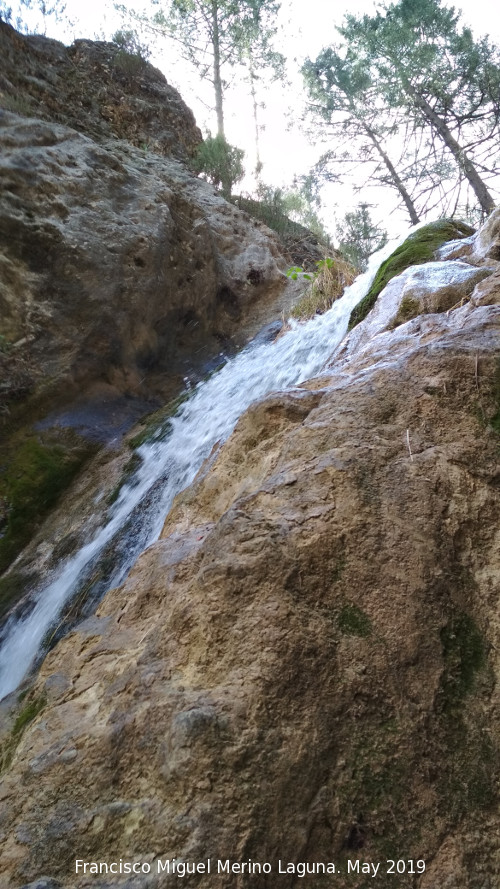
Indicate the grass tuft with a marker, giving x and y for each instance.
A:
(327, 286)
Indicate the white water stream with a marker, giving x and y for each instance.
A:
(207, 417)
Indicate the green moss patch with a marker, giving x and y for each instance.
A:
(29, 712)
(36, 473)
(32, 707)
(353, 621)
(495, 420)
(464, 653)
(130, 467)
(409, 308)
(419, 247)
(468, 779)
(12, 588)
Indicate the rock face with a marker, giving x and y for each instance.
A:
(122, 275)
(96, 89)
(304, 668)
(115, 262)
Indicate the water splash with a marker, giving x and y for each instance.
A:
(169, 466)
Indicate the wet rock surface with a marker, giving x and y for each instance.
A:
(117, 265)
(304, 668)
(124, 279)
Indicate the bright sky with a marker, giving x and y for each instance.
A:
(306, 26)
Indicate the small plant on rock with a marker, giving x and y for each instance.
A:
(327, 284)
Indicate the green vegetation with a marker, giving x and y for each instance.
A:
(35, 475)
(360, 237)
(129, 43)
(128, 470)
(29, 712)
(495, 420)
(464, 655)
(328, 282)
(338, 569)
(419, 247)
(12, 587)
(468, 780)
(353, 621)
(429, 74)
(272, 214)
(132, 54)
(156, 427)
(220, 162)
(408, 308)
(17, 104)
(33, 706)
(217, 36)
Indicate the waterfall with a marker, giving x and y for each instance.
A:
(168, 466)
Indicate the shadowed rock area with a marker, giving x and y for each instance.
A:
(118, 266)
(123, 277)
(304, 668)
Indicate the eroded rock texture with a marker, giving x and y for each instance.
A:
(305, 666)
(116, 263)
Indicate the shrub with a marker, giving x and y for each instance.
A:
(132, 55)
(220, 162)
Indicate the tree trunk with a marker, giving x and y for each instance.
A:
(463, 161)
(258, 165)
(398, 182)
(217, 77)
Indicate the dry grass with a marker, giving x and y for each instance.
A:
(328, 285)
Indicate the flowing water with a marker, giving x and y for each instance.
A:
(170, 465)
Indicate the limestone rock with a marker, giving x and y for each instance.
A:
(118, 267)
(304, 668)
(116, 264)
(97, 89)
(421, 289)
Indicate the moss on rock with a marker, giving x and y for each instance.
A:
(354, 622)
(156, 426)
(37, 470)
(33, 705)
(419, 247)
(12, 588)
(464, 654)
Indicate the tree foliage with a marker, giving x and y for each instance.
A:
(219, 34)
(343, 97)
(220, 162)
(409, 99)
(425, 64)
(129, 42)
(15, 14)
(359, 237)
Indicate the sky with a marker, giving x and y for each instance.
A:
(305, 27)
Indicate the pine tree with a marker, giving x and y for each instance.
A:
(425, 64)
(359, 237)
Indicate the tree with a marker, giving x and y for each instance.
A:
(359, 237)
(16, 15)
(221, 163)
(257, 54)
(438, 74)
(344, 97)
(215, 34)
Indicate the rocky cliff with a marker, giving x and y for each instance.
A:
(304, 669)
(116, 261)
(121, 273)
